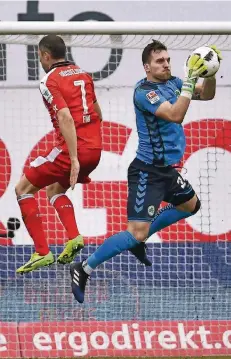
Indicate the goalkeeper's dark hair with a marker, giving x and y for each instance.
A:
(155, 45)
(54, 45)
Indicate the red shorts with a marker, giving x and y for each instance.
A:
(55, 166)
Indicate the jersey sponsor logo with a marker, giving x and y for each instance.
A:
(152, 97)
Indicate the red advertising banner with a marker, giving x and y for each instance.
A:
(128, 338)
(9, 341)
(111, 195)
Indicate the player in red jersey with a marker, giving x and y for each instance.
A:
(68, 94)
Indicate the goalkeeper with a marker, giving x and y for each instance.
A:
(161, 102)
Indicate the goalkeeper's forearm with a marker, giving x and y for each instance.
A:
(179, 109)
(181, 106)
(67, 128)
(208, 90)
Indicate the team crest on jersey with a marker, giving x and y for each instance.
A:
(152, 97)
(151, 211)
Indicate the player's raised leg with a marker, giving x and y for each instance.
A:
(89, 160)
(183, 203)
(143, 198)
(65, 210)
(112, 246)
(31, 216)
(171, 214)
(164, 217)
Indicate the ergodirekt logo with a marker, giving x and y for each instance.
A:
(136, 338)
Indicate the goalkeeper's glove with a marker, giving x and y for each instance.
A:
(216, 50)
(195, 67)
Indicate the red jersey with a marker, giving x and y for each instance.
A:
(66, 85)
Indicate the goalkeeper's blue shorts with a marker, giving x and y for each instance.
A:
(149, 185)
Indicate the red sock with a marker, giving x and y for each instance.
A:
(33, 223)
(65, 210)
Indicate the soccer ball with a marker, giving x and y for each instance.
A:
(211, 60)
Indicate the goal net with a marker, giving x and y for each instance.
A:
(181, 305)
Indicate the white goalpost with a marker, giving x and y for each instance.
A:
(181, 306)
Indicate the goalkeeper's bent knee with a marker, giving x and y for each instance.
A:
(197, 206)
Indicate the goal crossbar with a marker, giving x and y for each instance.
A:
(117, 27)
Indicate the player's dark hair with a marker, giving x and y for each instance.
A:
(155, 45)
(54, 45)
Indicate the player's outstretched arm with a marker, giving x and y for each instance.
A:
(67, 128)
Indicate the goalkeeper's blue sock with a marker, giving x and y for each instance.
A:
(166, 216)
(110, 248)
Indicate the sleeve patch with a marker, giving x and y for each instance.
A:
(46, 93)
(152, 97)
